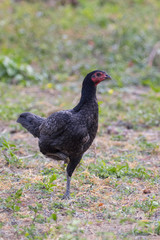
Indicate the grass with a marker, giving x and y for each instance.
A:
(45, 53)
(35, 42)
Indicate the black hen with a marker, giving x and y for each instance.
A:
(66, 135)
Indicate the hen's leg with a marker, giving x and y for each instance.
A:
(70, 169)
(67, 193)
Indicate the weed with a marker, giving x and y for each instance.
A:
(74, 231)
(1, 224)
(8, 151)
(157, 228)
(127, 219)
(50, 171)
(119, 170)
(118, 137)
(128, 210)
(146, 146)
(106, 235)
(53, 217)
(58, 205)
(143, 228)
(13, 200)
(35, 209)
(148, 205)
(16, 72)
(32, 232)
(47, 183)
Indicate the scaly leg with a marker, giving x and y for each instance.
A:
(67, 193)
(70, 169)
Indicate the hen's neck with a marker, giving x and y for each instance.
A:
(88, 96)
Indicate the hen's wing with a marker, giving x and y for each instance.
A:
(55, 124)
(65, 126)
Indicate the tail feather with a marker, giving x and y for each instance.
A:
(31, 122)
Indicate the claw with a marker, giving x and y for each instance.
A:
(66, 196)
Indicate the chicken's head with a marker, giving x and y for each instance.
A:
(99, 76)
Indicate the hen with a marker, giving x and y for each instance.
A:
(66, 135)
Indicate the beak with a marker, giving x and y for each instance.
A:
(107, 77)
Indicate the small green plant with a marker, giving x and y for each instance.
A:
(8, 151)
(143, 228)
(58, 205)
(128, 210)
(157, 228)
(119, 170)
(49, 171)
(13, 200)
(16, 72)
(47, 183)
(106, 235)
(127, 219)
(145, 145)
(148, 205)
(36, 209)
(32, 232)
(1, 224)
(74, 231)
(118, 137)
(52, 217)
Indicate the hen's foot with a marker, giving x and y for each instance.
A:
(66, 196)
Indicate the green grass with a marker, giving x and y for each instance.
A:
(141, 111)
(103, 171)
(116, 36)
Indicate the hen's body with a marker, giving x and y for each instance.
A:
(69, 132)
(66, 135)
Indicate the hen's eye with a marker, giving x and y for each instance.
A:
(98, 74)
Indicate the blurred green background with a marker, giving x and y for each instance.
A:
(55, 41)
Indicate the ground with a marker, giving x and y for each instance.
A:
(45, 51)
(114, 190)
